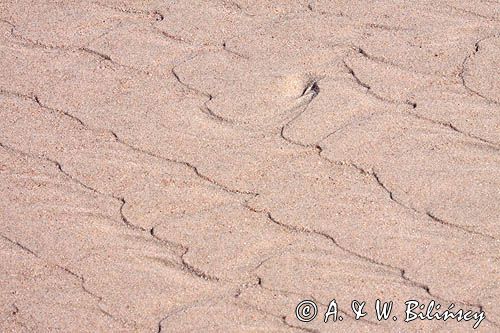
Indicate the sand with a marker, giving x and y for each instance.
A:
(204, 166)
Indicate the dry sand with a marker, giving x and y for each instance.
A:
(204, 166)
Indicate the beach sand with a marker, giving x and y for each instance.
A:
(205, 166)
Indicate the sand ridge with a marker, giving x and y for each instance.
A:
(178, 166)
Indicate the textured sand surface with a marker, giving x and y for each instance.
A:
(204, 166)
